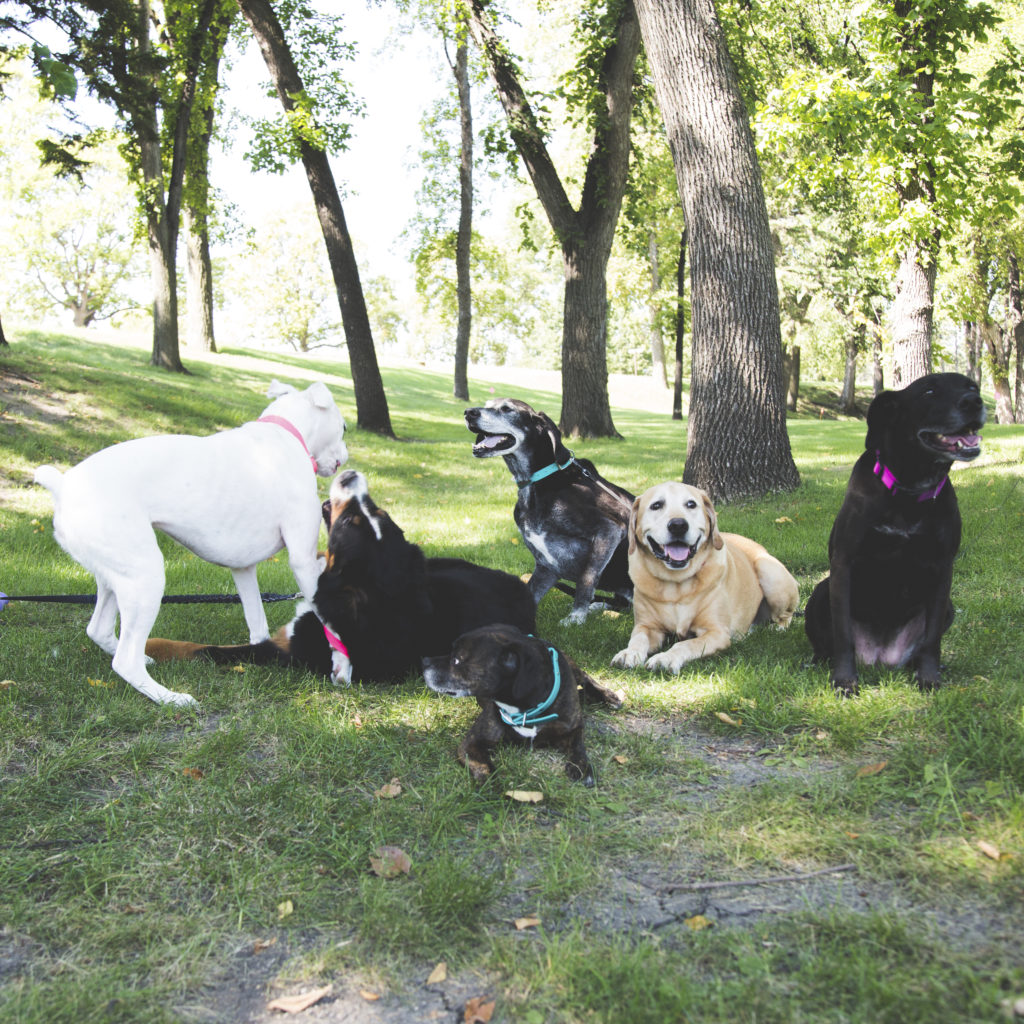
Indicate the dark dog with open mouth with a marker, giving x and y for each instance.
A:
(526, 689)
(571, 518)
(887, 598)
(380, 605)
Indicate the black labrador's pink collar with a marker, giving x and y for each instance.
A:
(892, 485)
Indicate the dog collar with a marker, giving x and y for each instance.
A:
(334, 640)
(548, 471)
(293, 430)
(892, 485)
(527, 723)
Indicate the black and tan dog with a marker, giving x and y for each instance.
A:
(527, 691)
(887, 598)
(380, 605)
(572, 520)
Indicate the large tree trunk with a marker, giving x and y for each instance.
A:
(371, 402)
(737, 439)
(586, 234)
(463, 240)
(854, 344)
(677, 377)
(3, 340)
(199, 270)
(657, 342)
(910, 317)
(999, 364)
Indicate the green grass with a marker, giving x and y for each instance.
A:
(146, 849)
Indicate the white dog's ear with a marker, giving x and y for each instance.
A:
(277, 389)
(709, 511)
(632, 525)
(320, 394)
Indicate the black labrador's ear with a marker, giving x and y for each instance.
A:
(881, 415)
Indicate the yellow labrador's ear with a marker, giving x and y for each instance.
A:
(709, 511)
(631, 529)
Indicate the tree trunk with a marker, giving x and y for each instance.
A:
(877, 373)
(999, 364)
(657, 343)
(3, 340)
(463, 240)
(199, 282)
(911, 314)
(848, 396)
(737, 439)
(371, 402)
(1015, 325)
(586, 234)
(677, 382)
(791, 366)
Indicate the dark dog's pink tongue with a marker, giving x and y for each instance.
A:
(677, 552)
(490, 441)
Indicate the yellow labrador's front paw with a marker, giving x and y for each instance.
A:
(627, 658)
(664, 662)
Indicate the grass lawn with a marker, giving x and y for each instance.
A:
(163, 864)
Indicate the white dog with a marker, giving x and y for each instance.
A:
(234, 498)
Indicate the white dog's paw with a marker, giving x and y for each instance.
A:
(341, 669)
(181, 700)
(575, 617)
(627, 658)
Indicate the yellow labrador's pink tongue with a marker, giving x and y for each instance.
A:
(677, 552)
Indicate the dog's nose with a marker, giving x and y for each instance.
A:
(971, 402)
(678, 527)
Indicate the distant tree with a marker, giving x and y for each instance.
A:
(601, 85)
(303, 137)
(737, 442)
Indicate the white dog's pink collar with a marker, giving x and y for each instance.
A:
(293, 430)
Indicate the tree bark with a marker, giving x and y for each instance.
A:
(791, 365)
(854, 344)
(677, 381)
(911, 315)
(3, 340)
(737, 440)
(999, 365)
(1015, 325)
(585, 235)
(657, 343)
(371, 401)
(463, 287)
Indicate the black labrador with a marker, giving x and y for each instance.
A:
(572, 520)
(891, 550)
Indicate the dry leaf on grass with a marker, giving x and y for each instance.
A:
(438, 974)
(526, 922)
(6, 684)
(370, 997)
(389, 862)
(989, 850)
(261, 944)
(524, 796)
(285, 909)
(722, 716)
(296, 1004)
(870, 769)
(698, 922)
(389, 791)
(620, 759)
(478, 1010)
(193, 773)
(237, 668)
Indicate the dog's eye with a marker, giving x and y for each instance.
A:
(930, 391)
(655, 505)
(691, 504)
(455, 659)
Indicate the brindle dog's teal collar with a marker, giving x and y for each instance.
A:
(527, 723)
(548, 471)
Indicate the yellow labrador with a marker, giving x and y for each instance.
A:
(696, 583)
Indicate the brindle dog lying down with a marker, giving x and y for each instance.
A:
(527, 691)
(887, 600)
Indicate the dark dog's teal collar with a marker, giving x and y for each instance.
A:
(548, 471)
(527, 723)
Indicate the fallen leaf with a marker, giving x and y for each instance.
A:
(524, 796)
(389, 862)
(620, 759)
(357, 721)
(478, 1011)
(134, 908)
(783, 519)
(193, 773)
(870, 769)
(852, 835)
(370, 997)
(727, 719)
(6, 684)
(526, 922)
(389, 791)
(261, 944)
(698, 922)
(296, 1004)
(821, 735)
(98, 682)
(285, 909)
(990, 851)
(237, 668)
(438, 974)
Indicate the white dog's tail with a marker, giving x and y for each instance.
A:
(51, 478)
